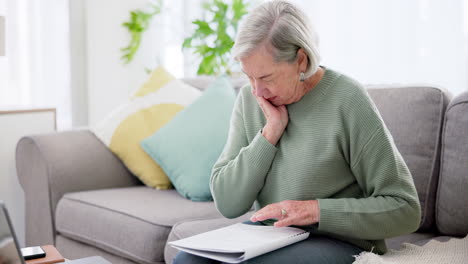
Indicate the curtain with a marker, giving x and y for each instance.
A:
(35, 70)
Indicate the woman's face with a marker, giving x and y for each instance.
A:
(277, 82)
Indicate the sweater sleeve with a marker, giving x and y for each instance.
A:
(239, 174)
(391, 205)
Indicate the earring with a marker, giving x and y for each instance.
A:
(302, 77)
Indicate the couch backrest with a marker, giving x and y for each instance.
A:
(203, 82)
(452, 196)
(414, 115)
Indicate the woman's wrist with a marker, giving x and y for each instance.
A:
(315, 211)
(271, 134)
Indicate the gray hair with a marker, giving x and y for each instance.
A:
(284, 27)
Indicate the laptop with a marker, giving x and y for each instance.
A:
(10, 252)
(9, 247)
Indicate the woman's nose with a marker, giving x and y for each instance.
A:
(259, 89)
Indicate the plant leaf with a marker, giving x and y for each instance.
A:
(214, 35)
(206, 65)
(138, 23)
(204, 28)
(239, 9)
(187, 42)
(202, 49)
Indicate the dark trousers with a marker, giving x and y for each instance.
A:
(315, 250)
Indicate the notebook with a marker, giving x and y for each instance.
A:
(240, 242)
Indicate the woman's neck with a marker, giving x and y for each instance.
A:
(313, 80)
(308, 85)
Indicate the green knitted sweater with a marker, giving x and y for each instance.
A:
(336, 149)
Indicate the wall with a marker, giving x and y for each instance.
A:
(2, 35)
(373, 41)
(13, 127)
(109, 81)
(78, 63)
(399, 41)
(3, 60)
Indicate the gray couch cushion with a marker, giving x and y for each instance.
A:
(130, 222)
(452, 198)
(191, 228)
(414, 116)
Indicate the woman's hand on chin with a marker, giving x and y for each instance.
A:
(277, 119)
(289, 213)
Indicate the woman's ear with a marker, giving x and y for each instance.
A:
(302, 60)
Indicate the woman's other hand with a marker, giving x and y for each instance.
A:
(277, 119)
(289, 213)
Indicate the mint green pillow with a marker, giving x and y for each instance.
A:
(187, 147)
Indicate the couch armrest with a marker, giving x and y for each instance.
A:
(50, 165)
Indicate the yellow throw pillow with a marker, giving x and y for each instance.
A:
(151, 106)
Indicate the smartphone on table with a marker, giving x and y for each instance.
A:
(32, 253)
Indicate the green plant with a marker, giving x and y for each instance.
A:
(214, 37)
(139, 23)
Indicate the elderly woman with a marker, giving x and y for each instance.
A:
(308, 147)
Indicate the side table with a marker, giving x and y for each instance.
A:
(52, 256)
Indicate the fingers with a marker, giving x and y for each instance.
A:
(288, 221)
(274, 114)
(266, 106)
(276, 119)
(295, 213)
(283, 110)
(268, 212)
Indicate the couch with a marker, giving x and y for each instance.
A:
(80, 197)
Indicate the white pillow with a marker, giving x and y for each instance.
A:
(150, 107)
